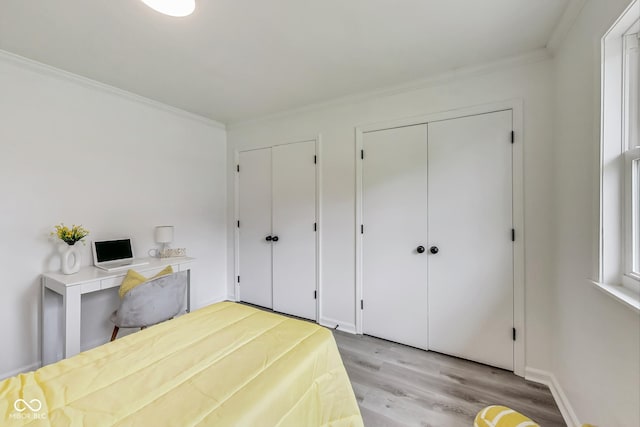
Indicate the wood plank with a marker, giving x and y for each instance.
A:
(397, 385)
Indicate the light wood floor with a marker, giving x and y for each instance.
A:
(396, 385)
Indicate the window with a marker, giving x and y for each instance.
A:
(632, 218)
(631, 145)
(620, 159)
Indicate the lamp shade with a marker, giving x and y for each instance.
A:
(164, 234)
(176, 8)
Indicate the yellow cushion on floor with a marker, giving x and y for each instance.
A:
(501, 416)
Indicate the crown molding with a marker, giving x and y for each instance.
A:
(105, 88)
(436, 80)
(568, 18)
(537, 55)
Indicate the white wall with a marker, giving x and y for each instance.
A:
(528, 80)
(596, 352)
(74, 152)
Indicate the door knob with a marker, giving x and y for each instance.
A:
(274, 238)
(268, 239)
(434, 249)
(420, 249)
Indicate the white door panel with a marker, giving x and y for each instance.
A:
(394, 214)
(294, 215)
(255, 226)
(470, 219)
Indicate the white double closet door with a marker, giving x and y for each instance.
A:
(277, 228)
(437, 250)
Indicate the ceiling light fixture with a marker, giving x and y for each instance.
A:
(172, 7)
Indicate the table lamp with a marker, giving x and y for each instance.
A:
(164, 235)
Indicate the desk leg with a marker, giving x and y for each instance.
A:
(50, 326)
(72, 319)
(189, 291)
(42, 321)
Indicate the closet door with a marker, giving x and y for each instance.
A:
(470, 222)
(394, 209)
(294, 235)
(255, 226)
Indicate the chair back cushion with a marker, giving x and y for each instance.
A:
(133, 279)
(152, 302)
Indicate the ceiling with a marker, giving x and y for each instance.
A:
(238, 59)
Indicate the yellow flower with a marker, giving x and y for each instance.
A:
(70, 236)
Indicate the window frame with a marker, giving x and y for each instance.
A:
(631, 155)
(631, 276)
(618, 269)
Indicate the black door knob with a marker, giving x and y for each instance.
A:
(274, 238)
(268, 239)
(420, 249)
(434, 249)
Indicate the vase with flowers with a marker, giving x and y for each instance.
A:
(71, 256)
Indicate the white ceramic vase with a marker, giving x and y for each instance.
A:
(71, 260)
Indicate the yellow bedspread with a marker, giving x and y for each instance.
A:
(223, 365)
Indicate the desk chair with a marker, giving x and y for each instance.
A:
(151, 302)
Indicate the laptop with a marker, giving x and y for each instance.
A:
(114, 255)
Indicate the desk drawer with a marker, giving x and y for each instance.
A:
(91, 287)
(184, 267)
(111, 282)
(153, 271)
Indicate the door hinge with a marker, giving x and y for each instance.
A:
(238, 279)
(315, 294)
(315, 226)
(513, 137)
(361, 304)
(362, 154)
(514, 334)
(361, 228)
(238, 168)
(315, 160)
(513, 234)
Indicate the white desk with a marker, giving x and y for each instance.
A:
(91, 279)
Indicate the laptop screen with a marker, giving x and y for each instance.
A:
(112, 250)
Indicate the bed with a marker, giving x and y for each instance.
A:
(224, 365)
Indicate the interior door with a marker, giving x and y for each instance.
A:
(294, 230)
(255, 227)
(470, 238)
(394, 264)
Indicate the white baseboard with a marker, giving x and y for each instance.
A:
(212, 301)
(21, 370)
(550, 380)
(341, 326)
